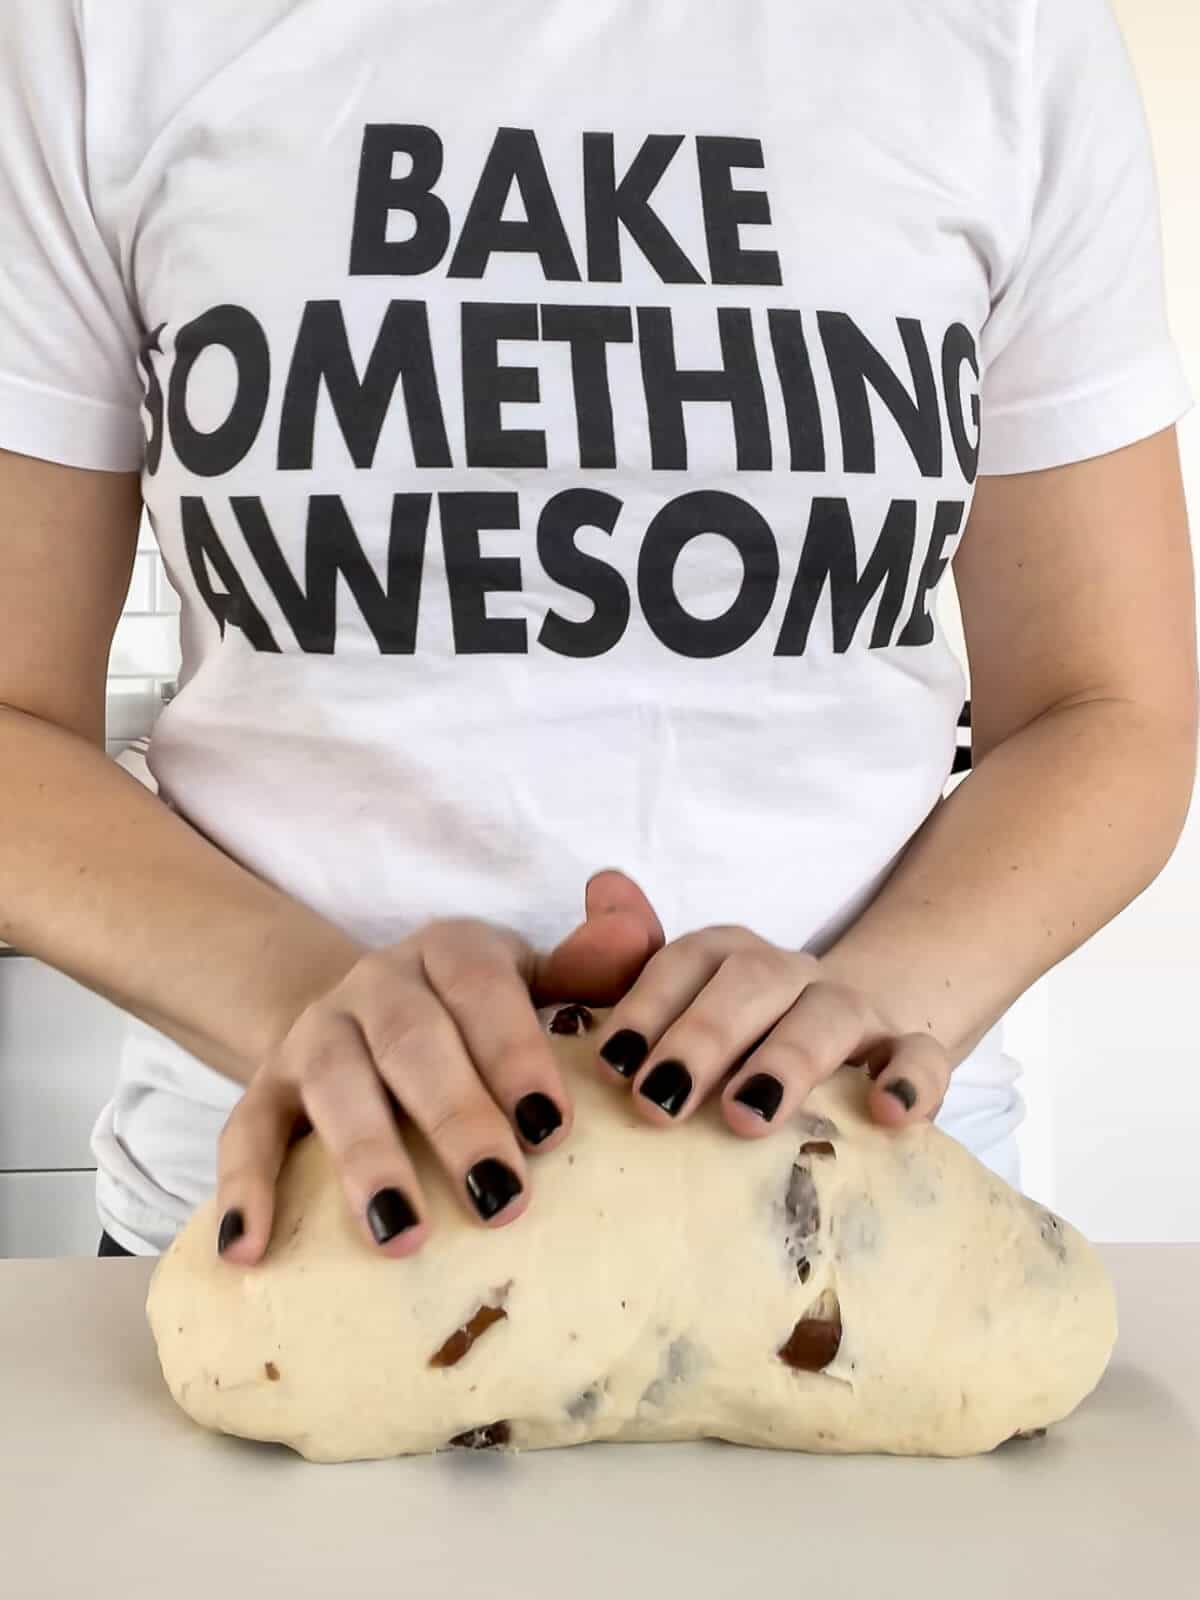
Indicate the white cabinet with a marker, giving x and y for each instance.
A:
(59, 1050)
(48, 1214)
(59, 1045)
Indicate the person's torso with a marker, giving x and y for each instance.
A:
(559, 421)
(536, 503)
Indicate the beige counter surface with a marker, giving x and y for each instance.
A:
(106, 1489)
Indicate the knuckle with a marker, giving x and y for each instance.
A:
(477, 983)
(373, 966)
(366, 1152)
(795, 1058)
(302, 1029)
(697, 943)
(446, 938)
(709, 1033)
(462, 1125)
(391, 970)
(924, 1053)
(311, 1035)
(924, 1042)
(450, 927)
(320, 1065)
(437, 937)
(755, 965)
(415, 1038)
(848, 1000)
(519, 1059)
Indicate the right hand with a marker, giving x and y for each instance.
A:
(443, 1021)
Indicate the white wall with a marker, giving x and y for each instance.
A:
(1123, 1027)
(1110, 1038)
(145, 652)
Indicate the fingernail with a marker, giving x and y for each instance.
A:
(233, 1226)
(491, 1186)
(626, 1051)
(537, 1117)
(668, 1086)
(904, 1092)
(761, 1094)
(388, 1214)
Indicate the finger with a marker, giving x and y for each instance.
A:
(348, 1106)
(610, 889)
(250, 1152)
(599, 960)
(671, 980)
(494, 1013)
(421, 1056)
(912, 1083)
(826, 1026)
(747, 995)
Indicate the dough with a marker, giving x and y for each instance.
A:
(835, 1286)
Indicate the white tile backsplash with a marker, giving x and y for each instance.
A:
(141, 588)
(145, 646)
(59, 1050)
(166, 601)
(133, 704)
(145, 650)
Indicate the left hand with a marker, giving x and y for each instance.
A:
(723, 998)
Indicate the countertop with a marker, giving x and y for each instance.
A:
(107, 1489)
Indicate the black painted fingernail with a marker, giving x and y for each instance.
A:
(233, 1226)
(626, 1051)
(668, 1086)
(491, 1186)
(537, 1117)
(761, 1094)
(904, 1092)
(388, 1214)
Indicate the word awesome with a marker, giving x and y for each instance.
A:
(624, 369)
(389, 608)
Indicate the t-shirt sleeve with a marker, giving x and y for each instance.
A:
(69, 334)
(1077, 355)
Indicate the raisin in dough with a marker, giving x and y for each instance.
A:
(833, 1287)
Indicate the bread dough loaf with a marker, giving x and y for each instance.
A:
(835, 1286)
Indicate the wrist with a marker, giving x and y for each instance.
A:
(302, 958)
(913, 987)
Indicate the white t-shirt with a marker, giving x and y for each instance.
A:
(556, 419)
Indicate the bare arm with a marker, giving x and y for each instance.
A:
(103, 881)
(1077, 592)
(100, 879)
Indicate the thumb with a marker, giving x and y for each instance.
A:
(611, 890)
(601, 957)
